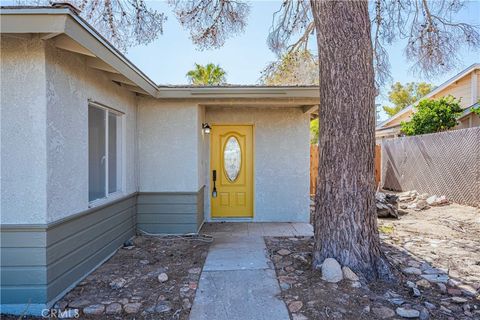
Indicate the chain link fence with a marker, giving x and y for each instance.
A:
(446, 163)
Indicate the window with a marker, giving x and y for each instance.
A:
(104, 152)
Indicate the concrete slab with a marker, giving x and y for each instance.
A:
(238, 281)
(238, 295)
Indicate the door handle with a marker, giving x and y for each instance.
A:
(214, 178)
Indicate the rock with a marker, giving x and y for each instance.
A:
(442, 278)
(423, 283)
(94, 309)
(131, 308)
(144, 261)
(429, 305)
(411, 284)
(423, 196)
(383, 312)
(295, 306)
(118, 283)
(407, 313)
(416, 292)
(77, 304)
(162, 277)
(349, 274)
(467, 290)
(424, 314)
(355, 284)
(459, 300)
(412, 270)
(283, 252)
(442, 287)
(196, 270)
(163, 306)
(444, 309)
(387, 205)
(331, 270)
(454, 292)
(114, 308)
(186, 304)
(396, 301)
(192, 285)
(437, 201)
(418, 205)
(366, 309)
(298, 316)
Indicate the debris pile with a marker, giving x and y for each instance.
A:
(416, 201)
(387, 205)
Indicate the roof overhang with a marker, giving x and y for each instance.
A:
(68, 31)
(72, 33)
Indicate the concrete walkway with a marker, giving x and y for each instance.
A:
(238, 280)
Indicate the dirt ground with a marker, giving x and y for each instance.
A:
(129, 285)
(440, 241)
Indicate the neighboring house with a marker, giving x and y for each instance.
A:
(464, 86)
(93, 151)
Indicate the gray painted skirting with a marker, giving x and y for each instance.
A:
(170, 212)
(41, 262)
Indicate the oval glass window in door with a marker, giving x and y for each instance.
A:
(232, 158)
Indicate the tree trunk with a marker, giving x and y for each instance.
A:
(345, 213)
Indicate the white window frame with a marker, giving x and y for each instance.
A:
(120, 155)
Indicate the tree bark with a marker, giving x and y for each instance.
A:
(345, 213)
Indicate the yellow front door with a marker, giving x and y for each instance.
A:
(231, 164)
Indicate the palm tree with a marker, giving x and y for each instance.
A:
(209, 75)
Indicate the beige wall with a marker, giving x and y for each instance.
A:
(459, 89)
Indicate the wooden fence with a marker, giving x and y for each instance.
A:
(314, 166)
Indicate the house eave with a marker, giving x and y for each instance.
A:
(438, 89)
(62, 21)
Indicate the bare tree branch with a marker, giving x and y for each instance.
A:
(125, 23)
(211, 22)
(293, 19)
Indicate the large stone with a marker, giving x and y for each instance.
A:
(131, 308)
(283, 252)
(295, 306)
(383, 312)
(349, 274)
(412, 270)
(418, 205)
(162, 277)
(331, 270)
(423, 283)
(94, 309)
(407, 313)
(442, 278)
(114, 308)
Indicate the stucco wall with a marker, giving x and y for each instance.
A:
(282, 153)
(45, 130)
(70, 85)
(168, 135)
(23, 131)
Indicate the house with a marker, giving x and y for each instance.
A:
(465, 86)
(93, 151)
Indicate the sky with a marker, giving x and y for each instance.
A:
(244, 56)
